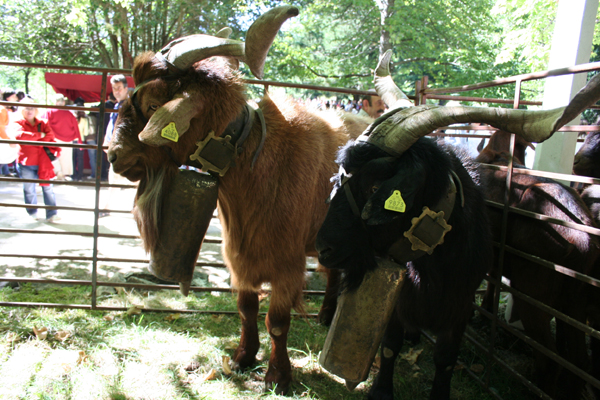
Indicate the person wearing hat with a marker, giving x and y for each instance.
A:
(35, 162)
(65, 128)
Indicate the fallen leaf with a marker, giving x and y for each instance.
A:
(412, 355)
(41, 333)
(173, 317)
(82, 357)
(477, 368)
(62, 335)
(134, 310)
(216, 317)
(458, 367)
(226, 367)
(212, 374)
(109, 317)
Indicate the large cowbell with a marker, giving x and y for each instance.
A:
(185, 216)
(359, 323)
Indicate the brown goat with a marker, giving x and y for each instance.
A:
(270, 206)
(498, 148)
(567, 247)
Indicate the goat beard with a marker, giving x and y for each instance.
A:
(148, 204)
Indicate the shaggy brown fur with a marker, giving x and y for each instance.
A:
(270, 214)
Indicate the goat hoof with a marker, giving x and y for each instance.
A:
(325, 316)
(242, 360)
(277, 381)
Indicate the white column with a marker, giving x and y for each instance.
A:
(571, 45)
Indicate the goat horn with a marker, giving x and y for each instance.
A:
(224, 33)
(405, 126)
(185, 51)
(385, 86)
(261, 34)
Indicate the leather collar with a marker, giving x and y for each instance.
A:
(216, 154)
(428, 230)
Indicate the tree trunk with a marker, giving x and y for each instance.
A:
(27, 72)
(385, 11)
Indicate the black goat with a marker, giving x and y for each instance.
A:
(391, 159)
(438, 288)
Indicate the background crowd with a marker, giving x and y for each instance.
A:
(26, 122)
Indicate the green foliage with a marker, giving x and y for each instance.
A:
(453, 42)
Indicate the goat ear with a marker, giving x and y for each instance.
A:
(406, 183)
(169, 122)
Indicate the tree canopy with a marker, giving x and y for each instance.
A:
(453, 42)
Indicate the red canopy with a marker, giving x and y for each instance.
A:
(79, 85)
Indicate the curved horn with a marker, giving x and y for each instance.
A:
(386, 87)
(261, 35)
(185, 51)
(224, 33)
(233, 62)
(396, 133)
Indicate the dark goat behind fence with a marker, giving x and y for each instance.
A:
(566, 247)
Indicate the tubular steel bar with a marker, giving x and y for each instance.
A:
(544, 174)
(157, 286)
(537, 391)
(542, 217)
(524, 77)
(108, 308)
(542, 349)
(85, 234)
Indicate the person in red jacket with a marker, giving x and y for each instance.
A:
(34, 161)
(66, 130)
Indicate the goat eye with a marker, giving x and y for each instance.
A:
(153, 107)
(374, 189)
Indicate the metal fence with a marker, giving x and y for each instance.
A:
(423, 93)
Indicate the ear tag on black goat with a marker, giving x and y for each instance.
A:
(395, 202)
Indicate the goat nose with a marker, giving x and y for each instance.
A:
(112, 156)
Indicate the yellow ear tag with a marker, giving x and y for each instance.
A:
(170, 132)
(395, 202)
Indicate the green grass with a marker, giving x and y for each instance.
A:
(113, 355)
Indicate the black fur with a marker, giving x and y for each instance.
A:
(439, 288)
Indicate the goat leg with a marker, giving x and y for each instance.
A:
(245, 354)
(331, 295)
(445, 354)
(279, 374)
(393, 338)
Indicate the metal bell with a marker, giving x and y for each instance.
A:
(185, 216)
(359, 323)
